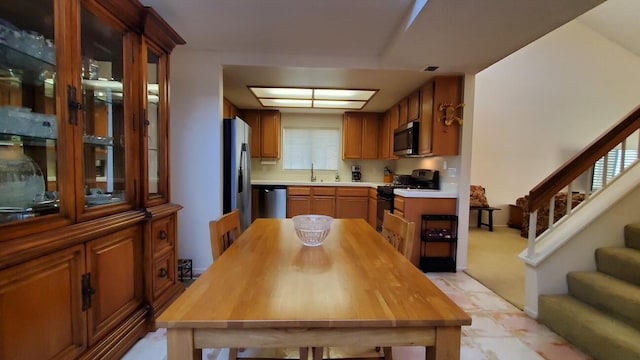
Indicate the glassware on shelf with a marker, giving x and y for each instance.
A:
(21, 179)
(89, 68)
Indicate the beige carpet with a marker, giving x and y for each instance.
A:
(493, 261)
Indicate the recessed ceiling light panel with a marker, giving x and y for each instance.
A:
(301, 103)
(343, 94)
(287, 93)
(312, 98)
(338, 104)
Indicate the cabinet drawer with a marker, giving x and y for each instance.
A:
(324, 191)
(353, 191)
(163, 234)
(298, 190)
(164, 273)
(398, 203)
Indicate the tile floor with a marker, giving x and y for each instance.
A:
(499, 332)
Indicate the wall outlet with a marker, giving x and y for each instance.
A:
(452, 172)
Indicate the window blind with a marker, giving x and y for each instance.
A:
(614, 160)
(304, 146)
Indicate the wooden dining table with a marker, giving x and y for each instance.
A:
(269, 290)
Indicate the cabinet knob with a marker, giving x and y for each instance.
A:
(163, 235)
(163, 273)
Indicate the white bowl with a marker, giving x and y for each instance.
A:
(312, 229)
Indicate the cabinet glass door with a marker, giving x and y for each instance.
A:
(103, 109)
(156, 129)
(28, 115)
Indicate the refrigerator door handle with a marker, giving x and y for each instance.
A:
(242, 157)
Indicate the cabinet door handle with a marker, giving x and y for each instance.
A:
(163, 273)
(74, 105)
(163, 235)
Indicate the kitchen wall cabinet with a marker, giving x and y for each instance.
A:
(90, 120)
(229, 110)
(360, 134)
(403, 111)
(352, 203)
(437, 138)
(413, 106)
(265, 132)
(388, 125)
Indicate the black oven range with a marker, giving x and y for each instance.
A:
(419, 179)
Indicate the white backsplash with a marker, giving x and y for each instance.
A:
(449, 166)
(372, 171)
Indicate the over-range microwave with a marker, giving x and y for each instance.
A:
(405, 139)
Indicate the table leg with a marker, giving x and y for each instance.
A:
(317, 353)
(447, 344)
(490, 219)
(180, 345)
(388, 353)
(479, 218)
(304, 353)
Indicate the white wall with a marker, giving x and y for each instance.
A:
(536, 108)
(196, 150)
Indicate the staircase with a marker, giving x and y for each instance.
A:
(601, 312)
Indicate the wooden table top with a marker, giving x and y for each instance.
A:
(268, 278)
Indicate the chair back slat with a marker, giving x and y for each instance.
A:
(399, 233)
(224, 232)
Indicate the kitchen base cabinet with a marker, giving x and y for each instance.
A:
(412, 210)
(298, 200)
(373, 208)
(319, 200)
(352, 203)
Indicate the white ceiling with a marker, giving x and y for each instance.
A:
(374, 44)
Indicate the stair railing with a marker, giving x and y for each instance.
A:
(608, 157)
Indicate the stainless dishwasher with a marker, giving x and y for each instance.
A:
(272, 201)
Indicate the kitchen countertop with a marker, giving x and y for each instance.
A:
(448, 191)
(422, 193)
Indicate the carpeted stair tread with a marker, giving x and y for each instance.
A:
(591, 330)
(632, 236)
(619, 262)
(608, 294)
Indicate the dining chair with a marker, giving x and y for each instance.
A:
(399, 232)
(223, 232)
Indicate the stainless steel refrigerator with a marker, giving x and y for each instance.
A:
(237, 169)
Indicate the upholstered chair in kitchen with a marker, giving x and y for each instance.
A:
(399, 232)
(223, 232)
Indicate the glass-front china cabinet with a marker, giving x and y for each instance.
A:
(88, 235)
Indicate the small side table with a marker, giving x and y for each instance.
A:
(515, 217)
(489, 211)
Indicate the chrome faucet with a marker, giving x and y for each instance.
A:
(313, 177)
